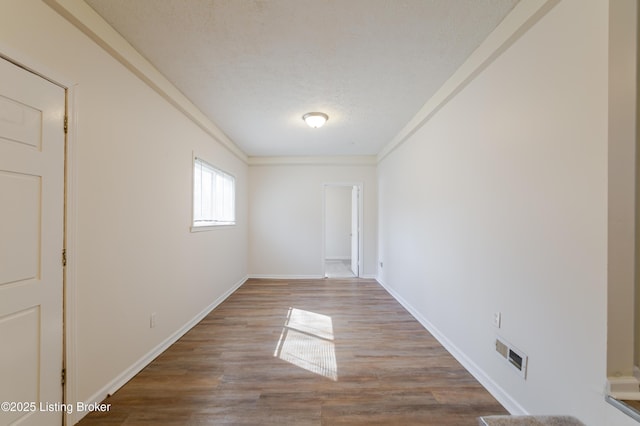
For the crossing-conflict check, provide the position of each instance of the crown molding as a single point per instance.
(314, 161)
(522, 17)
(87, 20)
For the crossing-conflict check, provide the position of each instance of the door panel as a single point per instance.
(20, 123)
(21, 340)
(20, 227)
(355, 232)
(31, 240)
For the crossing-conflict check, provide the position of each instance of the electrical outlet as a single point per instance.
(152, 320)
(497, 319)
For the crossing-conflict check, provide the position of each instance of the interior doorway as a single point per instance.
(342, 235)
(32, 155)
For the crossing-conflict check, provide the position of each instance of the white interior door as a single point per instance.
(31, 241)
(355, 230)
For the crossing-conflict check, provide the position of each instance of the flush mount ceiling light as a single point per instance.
(315, 119)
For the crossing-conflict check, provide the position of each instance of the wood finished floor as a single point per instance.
(349, 355)
(633, 404)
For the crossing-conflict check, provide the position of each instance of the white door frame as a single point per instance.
(69, 332)
(360, 187)
(71, 243)
(354, 235)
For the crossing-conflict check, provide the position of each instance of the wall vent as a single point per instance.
(502, 349)
(515, 357)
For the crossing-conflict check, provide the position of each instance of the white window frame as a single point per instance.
(213, 197)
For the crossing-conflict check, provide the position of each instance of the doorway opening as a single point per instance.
(32, 225)
(341, 239)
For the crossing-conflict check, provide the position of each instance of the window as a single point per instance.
(214, 194)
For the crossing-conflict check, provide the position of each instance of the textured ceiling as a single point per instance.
(254, 67)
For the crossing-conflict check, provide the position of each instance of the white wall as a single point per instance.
(622, 186)
(338, 222)
(286, 229)
(133, 168)
(499, 204)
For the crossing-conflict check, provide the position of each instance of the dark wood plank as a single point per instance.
(350, 355)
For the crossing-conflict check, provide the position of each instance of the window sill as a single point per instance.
(212, 227)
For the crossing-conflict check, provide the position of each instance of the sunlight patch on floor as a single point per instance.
(306, 341)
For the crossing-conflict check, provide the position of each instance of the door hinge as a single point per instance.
(66, 124)
(63, 376)
(64, 257)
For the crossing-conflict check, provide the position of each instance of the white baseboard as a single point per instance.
(369, 276)
(286, 277)
(300, 277)
(115, 384)
(494, 389)
(624, 387)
